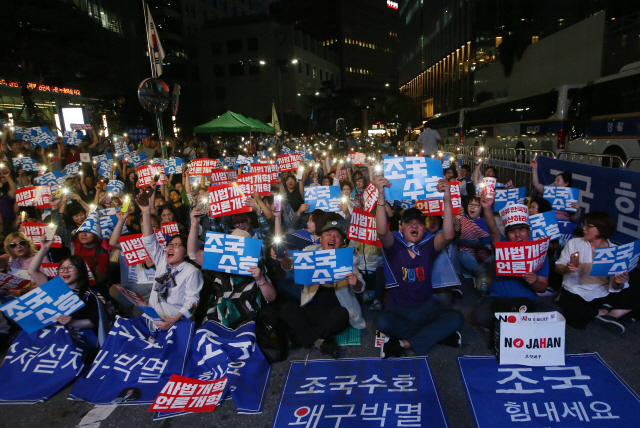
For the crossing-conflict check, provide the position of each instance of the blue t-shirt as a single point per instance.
(512, 286)
(412, 274)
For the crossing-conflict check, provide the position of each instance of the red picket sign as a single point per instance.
(183, 394)
(226, 199)
(357, 159)
(363, 228)
(203, 166)
(433, 207)
(220, 176)
(170, 228)
(518, 258)
(43, 194)
(133, 249)
(26, 196)
(146, 174)
(35, 232)
(342, 174)
(260, 182)
(370, 197)
(10, 282)
(290, 162)
(267, 168)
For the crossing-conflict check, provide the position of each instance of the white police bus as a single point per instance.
(537, 122)
(451, 126)
(605, 117)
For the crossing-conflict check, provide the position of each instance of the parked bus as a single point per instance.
(537, 122)
(605, 116)
(451, 126)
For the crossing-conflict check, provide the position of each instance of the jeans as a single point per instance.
(422, 326)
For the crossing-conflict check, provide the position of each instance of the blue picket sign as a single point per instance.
(40, 364)
(363, 392)
(218, 351)
(135, 363)
(584, 390)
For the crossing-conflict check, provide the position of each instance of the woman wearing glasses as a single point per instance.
(73, 271)
(176, 291)
(19, 254)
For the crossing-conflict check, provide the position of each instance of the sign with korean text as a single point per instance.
(47, 361)
(370, 197)
(81, 126)
(170, 228)
(325, 198)
(289, 162)
(108, 220)
(585, 392)
(231, 253)
(614, 260)
(544, 225)
(218, 351)
(35, 232)
(72, 138)
(134, 363)
(435, 207)
(412, 178)
(363, 228)
(360, 393)
(138, 133)
(137, 300)
(26, 196)
(43, 193)
(133, 249)
(219, 176)
(53, 178)
(226, 199)
(203, 166)
(72, 168)
(506, 197)
(322, 266)
(182, 394)
(258, 182)
(173, 166)
(561, 198)
(41, 306)
(146, 175)
(115, 187)
(342, 174)
(26, 164)
(518, 258)
(137, 160)
(357, 159)
(10, 282)
(267, 168)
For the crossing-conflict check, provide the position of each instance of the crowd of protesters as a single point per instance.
(408, 310)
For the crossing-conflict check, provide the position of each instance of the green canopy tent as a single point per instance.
(231, 122)
(267, 129)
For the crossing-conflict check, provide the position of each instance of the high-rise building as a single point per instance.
(443, 43)
(363, 32)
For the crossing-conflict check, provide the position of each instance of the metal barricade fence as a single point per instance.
(612, 161)
(633, 164)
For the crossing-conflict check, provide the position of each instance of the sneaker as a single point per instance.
(330, 347)
(392, 349)
(606, 306)
(609, 323)
(376, 306)
(366, 296)
(456, 294)
(628, 318)
(453, 341)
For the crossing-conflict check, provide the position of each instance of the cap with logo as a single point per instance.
(410, 214)
(334, 225)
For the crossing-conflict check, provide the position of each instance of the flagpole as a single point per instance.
(154, 73)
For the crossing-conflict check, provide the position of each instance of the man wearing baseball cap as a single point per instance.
(413, 318)
(508, 292)
(325, 310)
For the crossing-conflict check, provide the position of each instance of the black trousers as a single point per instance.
(579, 312)
(311, 324)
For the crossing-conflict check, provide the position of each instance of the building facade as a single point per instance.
(249, 63)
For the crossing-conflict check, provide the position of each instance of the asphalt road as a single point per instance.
(621, 352)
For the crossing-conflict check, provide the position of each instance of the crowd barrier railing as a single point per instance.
(612, 161)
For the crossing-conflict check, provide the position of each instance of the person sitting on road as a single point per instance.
(584, 298)
(564, 179)
(508, 292)
(328, 309)
(412, 317)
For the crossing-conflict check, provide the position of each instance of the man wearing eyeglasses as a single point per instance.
(176, 291)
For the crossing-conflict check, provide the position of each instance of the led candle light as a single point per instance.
(50, 232)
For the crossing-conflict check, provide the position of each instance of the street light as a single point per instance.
(386, 84)
(294, 61)
(262, 62)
